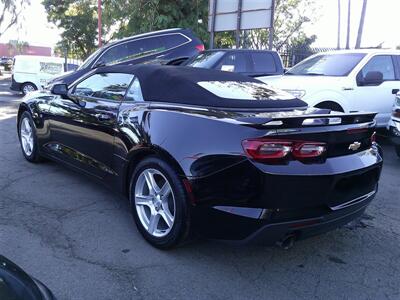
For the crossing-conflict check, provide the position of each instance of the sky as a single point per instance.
(33, 27)
(381, 24)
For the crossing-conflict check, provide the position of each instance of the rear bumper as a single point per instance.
(304, 228)
(247, 205)
(231, 225)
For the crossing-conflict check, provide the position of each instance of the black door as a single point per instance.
(82, 131)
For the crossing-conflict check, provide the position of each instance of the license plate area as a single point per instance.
(353, 186)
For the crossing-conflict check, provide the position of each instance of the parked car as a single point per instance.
(212, 152)
(31, 72)
(346, 80)
(394, 125)
(15, 284)
(163, 46)
(243, 61)
(4, 60)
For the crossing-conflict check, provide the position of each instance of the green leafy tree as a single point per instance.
(78, 19)
(126, 17)
(289, 19)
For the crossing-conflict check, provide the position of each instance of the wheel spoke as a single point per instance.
(167, 216)
(143, 200)
(165, 190)
(151, 183)
(153, 223)
(27, 125)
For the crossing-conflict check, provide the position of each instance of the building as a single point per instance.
(10, 49)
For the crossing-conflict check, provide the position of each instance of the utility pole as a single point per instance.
(348, 25)
(213, 16)
(361, 26)
(238, 23)
(338, 26)
(99, 20)
(271, 28)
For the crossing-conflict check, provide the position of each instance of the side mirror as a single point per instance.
(60, 89)
(372, 78)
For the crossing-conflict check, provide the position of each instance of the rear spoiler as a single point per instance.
(290, 120)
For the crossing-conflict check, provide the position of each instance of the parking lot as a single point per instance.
(79, 238)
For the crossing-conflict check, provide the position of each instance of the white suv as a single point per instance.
(346, 80)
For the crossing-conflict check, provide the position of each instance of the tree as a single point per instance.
(10, 11)
(17, 47)
(78, 18)
(128, 17)
(289, 20)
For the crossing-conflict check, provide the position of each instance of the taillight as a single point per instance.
(308, 150)
(267, 150)
(279, 150)
(200, 47)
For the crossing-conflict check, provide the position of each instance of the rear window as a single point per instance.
(244, 90)
(263, 62)
(142, 47)
(205, 60)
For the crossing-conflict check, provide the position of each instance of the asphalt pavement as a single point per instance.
(78, 238)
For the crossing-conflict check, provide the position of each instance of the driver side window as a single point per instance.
(380, 63)
(110, 86)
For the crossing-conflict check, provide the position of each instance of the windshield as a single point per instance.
(205, 60)
(327, 65)
(89, 60)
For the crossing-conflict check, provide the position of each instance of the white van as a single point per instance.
(32, 73)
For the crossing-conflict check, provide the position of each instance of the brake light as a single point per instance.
(200, 47)
(278, 150)
(396, 113)
(261, 150)
(308, 150)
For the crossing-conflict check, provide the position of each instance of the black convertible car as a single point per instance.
(206, 151)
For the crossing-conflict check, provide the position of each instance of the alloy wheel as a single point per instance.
(27, 88)
(26, 134)
(155, 202)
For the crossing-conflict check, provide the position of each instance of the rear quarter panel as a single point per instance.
(200, 143)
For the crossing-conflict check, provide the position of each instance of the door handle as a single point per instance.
(395, 91)
(103, 117)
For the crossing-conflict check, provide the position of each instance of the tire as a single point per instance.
(28, 87)
(157, 209)
(31, 151)
(397, 149)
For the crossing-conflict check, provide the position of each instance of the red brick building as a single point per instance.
(8, 50)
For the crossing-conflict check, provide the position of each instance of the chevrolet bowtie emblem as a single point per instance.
(354, 146)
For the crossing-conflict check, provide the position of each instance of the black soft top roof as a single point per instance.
(179, 84)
